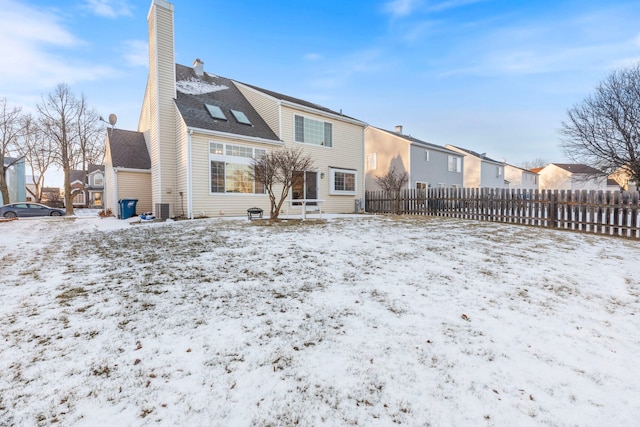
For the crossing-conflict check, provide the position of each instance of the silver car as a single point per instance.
(25, 210)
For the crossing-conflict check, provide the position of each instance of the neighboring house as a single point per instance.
(201, 132)
(479, 170)
(623, 177)
(16, 181)
(52, 196)
(520, 178)
(427, 165)
(127, 169)
(565, 176)
(88, 195)
(612, 185)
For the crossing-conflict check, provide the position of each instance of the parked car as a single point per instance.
(24, 210)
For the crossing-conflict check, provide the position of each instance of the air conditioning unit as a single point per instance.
(163, 211)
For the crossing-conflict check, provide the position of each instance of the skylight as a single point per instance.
(241, 117)
(215, 112)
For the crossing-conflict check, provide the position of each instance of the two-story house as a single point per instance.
(201, 131)
(519, 178)
(87, 187)
(427, 165)
(480, 171)
(572, 176)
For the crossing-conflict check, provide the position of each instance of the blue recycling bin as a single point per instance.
(127, 208)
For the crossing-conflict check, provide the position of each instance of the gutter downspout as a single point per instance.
(115, 192)
(189, 175)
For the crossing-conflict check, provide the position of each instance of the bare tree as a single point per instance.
(277, 172)
(392, 183)
(59, 114)
(9, 132)
(538, 162)
(604, 130)
(38, 152)
(90, 146)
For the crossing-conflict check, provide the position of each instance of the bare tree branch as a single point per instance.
(9, 132)
(277, 171)
(604, 130)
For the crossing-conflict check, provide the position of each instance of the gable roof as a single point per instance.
(128, 149)
(478, 155)
(193, 92)
(416, 141)
(531, 171)
(300, 102)
(95, 168)
(577, 168)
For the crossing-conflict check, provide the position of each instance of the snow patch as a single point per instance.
(193, 86)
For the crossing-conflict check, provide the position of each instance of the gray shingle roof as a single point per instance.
(297, 101)
(578, 168)
(478, 155)
(194, 92)
(417, 141)
(128, 149)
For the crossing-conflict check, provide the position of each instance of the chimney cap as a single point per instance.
(399, 129)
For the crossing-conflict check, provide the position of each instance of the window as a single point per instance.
(422, 186)
(426, 155)
(241, 117)
(98, 180)
(372, 161)
(498, 171)
(342, 181)
(215, 112)
(230, 169)
(78, 199)
(310, 131)
(455, 186)
(442, 185)
(455, 164)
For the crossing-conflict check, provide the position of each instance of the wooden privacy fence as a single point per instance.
(599, 212)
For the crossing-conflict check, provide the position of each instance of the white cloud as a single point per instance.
(108, 8)
(312, 56)
(399, 8)
(137, 53)
(30, 39)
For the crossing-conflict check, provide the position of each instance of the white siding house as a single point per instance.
(202, 130)
(519, 178)
(563, 176)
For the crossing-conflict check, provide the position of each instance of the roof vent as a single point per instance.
(399, 129)
(198, 67)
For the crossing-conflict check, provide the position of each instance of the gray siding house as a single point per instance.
(480, 171)
(428, 165)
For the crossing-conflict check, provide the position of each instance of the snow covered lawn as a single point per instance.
(369, 321)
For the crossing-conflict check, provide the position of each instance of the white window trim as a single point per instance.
(332, 180)
(458, 168)
(317, 120)
(372, 161)
(239, 160)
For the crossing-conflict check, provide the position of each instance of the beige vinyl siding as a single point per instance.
(135, 185)
(162, 107)
(347, 152)
(144, 121)
(204, 202)
(109, 198)
(182, 165)
(265, 105)
(390, 151)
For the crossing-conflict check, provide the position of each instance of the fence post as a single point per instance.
(553, 213)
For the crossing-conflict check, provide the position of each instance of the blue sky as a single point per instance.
(494, 76)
